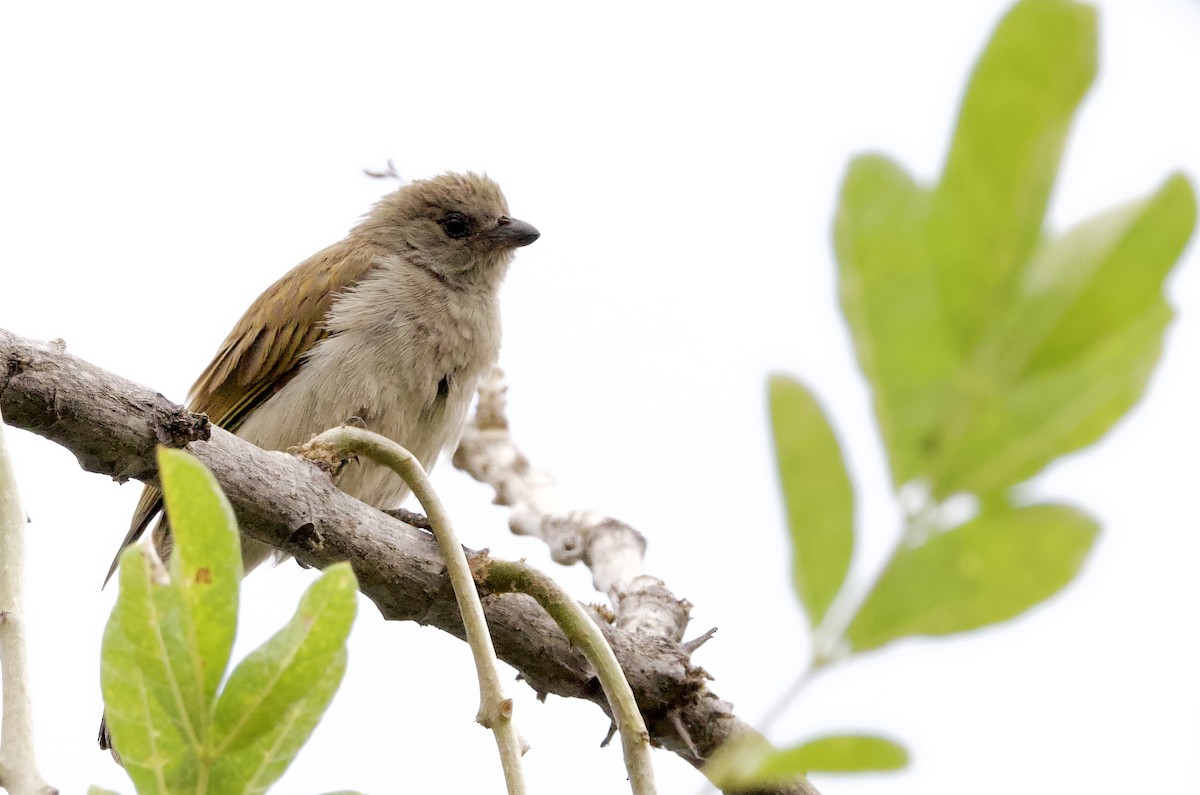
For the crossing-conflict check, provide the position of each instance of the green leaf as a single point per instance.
(170, 639)
(256, 766)
(735, 765)
(817, 494)
(167, 645)
(146, 703)
(988, 570)
(751, 762)
(1019, 430)
(1077, 350)
(97, 790)
(839, 753)
(276, 696)
(206, 561)
(889, 296)
(988, 208)
(990, 352)
(1103, 275)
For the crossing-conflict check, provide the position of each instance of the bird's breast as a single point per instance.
(407, 368)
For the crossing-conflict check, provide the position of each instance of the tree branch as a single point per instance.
(112, 426)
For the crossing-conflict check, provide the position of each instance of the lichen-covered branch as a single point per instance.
(610, 548)
(112, 425)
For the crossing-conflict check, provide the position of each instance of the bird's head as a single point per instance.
(455, 225)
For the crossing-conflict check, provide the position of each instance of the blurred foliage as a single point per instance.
(167, 645)
(817, 493)
(988, 569)
(991, 347)
(751, 762)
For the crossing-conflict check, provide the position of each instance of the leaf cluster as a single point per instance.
(179, 728)
(992, 348)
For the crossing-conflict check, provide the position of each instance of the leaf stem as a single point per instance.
(579, 627)
(495, 709)
(830, 634)
(785, 699)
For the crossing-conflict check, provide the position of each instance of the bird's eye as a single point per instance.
(456, 225)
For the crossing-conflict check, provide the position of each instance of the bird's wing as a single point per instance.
(148, 506)
(265, 349)
(267, 346)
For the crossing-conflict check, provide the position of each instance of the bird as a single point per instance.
(395, 325)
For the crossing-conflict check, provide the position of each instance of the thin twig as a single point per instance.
(18, 764)
(781, 704)
(495, 709)
(829, 638)
(584, 634)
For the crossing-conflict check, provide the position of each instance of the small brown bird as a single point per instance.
(396, 325)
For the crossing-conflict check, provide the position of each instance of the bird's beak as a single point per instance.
(511, 233)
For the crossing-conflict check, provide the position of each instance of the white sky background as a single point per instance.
(161, 166)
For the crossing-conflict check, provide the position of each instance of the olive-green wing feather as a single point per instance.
(265, 349)
(267, 346)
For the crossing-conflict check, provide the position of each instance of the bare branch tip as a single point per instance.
(690, 646)
(176, 427)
